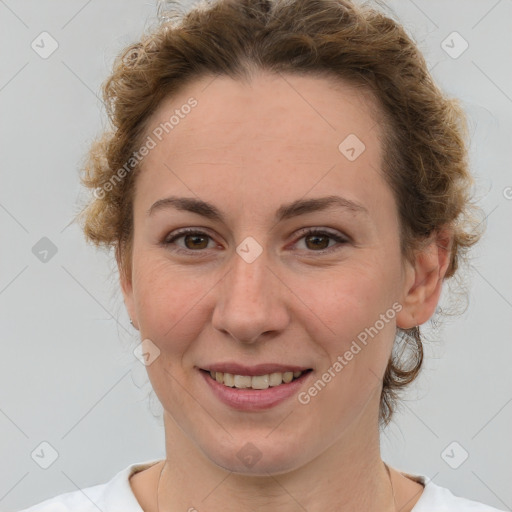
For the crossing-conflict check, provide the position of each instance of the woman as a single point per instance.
(286, 191)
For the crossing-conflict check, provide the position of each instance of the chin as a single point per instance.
(258, 456)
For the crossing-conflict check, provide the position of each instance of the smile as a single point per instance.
(255, 381)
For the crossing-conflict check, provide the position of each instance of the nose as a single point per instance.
(250, 301)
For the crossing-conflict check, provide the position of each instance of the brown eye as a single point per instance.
(318, 240)
(193, 241)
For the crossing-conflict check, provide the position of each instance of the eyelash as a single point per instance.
(307, 232)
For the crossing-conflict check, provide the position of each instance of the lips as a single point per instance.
(254, 392)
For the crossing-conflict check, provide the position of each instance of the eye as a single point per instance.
(194, 240)
(319, 239)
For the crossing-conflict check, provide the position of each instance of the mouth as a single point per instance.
(256, 382)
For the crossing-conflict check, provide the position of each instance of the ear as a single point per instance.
(127, 288)
(424, 281)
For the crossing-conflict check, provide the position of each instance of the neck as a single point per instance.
(348, 476)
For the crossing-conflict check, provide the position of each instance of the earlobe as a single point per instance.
(421, 298)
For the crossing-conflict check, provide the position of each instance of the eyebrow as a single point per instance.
(285, 211)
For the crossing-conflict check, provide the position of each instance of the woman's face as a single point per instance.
(252, 287)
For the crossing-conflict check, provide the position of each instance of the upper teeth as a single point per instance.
(255, 382)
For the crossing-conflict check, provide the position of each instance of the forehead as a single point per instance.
(272, 136)
(319, 109)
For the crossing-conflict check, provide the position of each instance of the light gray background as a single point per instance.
(68, 375)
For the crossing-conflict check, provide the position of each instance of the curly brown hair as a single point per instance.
(425, 157)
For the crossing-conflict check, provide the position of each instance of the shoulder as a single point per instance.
(115, 495)
(84, 500)
(440, 499)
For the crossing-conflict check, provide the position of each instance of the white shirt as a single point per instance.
(117, 496)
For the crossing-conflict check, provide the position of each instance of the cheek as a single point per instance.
(348, 297)
(355, 313)
(171, 303)
(355, 348)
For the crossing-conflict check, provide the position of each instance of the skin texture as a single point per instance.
(247, 149)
